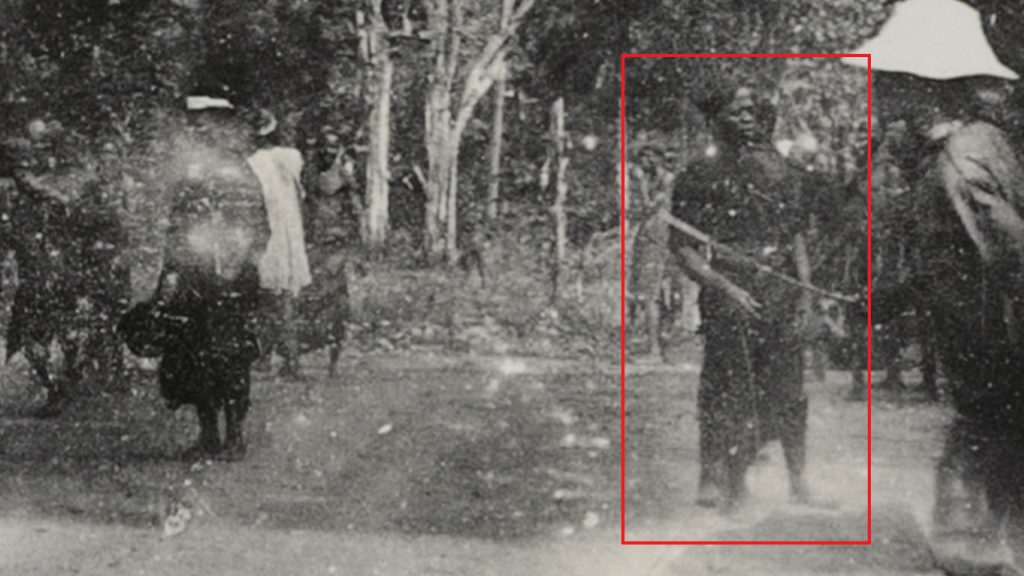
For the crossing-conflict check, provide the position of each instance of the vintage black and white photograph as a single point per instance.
(404, 287)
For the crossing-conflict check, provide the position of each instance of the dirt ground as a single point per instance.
(438, 464)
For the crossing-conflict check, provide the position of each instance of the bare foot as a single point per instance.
(709, 496)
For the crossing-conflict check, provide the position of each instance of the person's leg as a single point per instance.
(38, 357)
(236, 407)
(961, 487)
(290, 337)
(779, 373)
(712, 449)
(1014, 515)
(737, 409)
(268, 321)
(793, 434)
(208, 444)
(714, 407)
(890, 344)
(72, 372)
(929, 357)
(652, 307)
(858, 356)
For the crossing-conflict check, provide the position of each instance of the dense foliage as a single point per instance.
(115, 72)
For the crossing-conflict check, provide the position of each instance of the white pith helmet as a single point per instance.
(936, 39)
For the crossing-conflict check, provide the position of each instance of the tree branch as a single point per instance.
(487, 67)
(454, 42)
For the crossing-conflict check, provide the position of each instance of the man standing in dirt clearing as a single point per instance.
(751, 383)
(968, 193)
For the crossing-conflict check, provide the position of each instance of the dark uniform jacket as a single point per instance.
(752, 204)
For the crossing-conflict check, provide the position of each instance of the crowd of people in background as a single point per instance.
(943, 263)
(64, 228)
(64, 219)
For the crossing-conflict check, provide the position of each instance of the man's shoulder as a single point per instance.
(698, 173)
(977, 137)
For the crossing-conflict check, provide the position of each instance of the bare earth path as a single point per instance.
(430, 464)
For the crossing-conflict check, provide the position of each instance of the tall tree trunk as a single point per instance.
(444, 129)
(438, 169)
(498, 123)
(557, 163)
(379, 99)
(443, 17)
(451, 244)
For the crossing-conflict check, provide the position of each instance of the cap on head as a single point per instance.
(266, 123)
(935, 39)
(197, 103)
(37, 129)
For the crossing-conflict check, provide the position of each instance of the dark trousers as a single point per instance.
(751, 392)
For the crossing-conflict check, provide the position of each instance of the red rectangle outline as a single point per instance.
(622, 310)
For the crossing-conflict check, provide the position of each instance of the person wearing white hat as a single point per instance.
(200, 320)
(936, 70)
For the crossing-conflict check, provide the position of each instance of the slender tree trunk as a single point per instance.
(451, 244)
(498, 124)
(379, 99)
(558, 162)
(444, 18)
(444, 129)
(438, 171)
(497, 136)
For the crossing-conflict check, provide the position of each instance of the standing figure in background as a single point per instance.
(284, 268)
(751, 385)
(41, 236)
(104, 280)
(886, 255)
(654, 181)
(201, 321)
(333, 209)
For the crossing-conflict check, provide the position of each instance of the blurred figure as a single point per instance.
(968, 243)
(201, 321)
(103, 278)
(888, 195)
(284, 268)
(41, 236)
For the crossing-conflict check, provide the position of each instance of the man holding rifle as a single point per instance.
(754, 323)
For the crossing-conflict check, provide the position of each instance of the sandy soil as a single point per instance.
(431, 464)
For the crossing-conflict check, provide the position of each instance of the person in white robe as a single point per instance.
(284, 266)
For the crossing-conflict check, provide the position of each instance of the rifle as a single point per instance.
(703, 238)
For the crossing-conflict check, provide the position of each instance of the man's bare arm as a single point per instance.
(700, 270)
(802, 260)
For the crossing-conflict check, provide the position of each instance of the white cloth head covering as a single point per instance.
(937, 39)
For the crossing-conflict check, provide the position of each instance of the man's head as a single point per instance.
(329, 145)
(740, 115)
(651, 152)
(44, 140)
